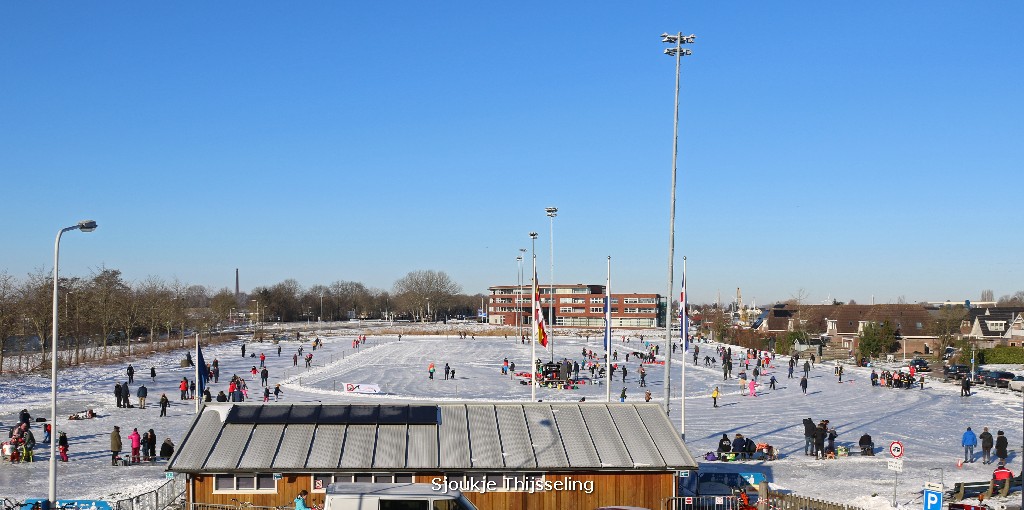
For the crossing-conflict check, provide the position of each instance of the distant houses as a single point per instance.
(842, 325)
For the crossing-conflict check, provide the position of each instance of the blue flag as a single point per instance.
(202, 374)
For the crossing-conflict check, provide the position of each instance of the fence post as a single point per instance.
(762, 496)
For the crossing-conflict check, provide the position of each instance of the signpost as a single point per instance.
(932, 499)
(896, 466)
(896, 449)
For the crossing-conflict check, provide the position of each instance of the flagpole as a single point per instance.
(533, 335)
(198, 397)
(684, 321)
(608, 332)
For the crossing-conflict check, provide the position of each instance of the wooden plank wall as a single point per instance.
(645, 490)
(287, 488)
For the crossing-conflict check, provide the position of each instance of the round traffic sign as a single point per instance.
(896, 449)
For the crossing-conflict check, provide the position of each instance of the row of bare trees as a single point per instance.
(101, 315)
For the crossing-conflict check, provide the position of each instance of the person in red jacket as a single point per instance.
(136, 440)
(183, 386)
(1001, 473)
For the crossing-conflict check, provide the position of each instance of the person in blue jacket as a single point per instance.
(300, 501)
(969, 442)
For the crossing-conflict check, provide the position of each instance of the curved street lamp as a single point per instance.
(84, 226)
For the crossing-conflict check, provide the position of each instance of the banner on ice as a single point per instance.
(360, 388)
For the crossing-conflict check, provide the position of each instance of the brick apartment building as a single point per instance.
(576, 305)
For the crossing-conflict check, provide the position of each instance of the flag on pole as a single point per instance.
(538, 314)
(607, 325)
(202, 375)
(684, 318)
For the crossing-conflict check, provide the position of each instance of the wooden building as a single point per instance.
(501, 455)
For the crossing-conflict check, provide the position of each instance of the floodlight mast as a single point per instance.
(678, 52)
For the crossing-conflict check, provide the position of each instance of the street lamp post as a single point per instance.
(678, 52)
(552, 212)
(321, 317)
(84, 226)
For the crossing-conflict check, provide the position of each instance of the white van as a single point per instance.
(392, 496)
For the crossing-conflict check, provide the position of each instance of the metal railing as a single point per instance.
(172, 492)
(777, 501)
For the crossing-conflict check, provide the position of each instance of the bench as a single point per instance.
(974, 489)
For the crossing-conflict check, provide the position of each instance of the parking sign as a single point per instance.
(932, 500)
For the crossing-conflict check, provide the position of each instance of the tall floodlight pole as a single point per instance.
(321, 317)
(552, 212)
(534, 302)
(84, 226)
(679, 40)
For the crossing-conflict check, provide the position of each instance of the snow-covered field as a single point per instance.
(928, 422)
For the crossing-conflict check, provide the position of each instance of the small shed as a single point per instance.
(501, 455)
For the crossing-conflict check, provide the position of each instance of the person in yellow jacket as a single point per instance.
(714, 396)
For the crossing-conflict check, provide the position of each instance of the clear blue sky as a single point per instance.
(846, 149)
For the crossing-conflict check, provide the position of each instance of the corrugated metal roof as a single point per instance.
(579, 446)
(638, 442)
(547, 443)
(606, 436)
(515, 437)
(422, 450)
(328, 441)
(453, 433)
(477, 436)
(485, 447)
(665, 435)
(360, 441)
(229, 447)
(269, 438)
(294, 446)
(391, 440)
(195, 448)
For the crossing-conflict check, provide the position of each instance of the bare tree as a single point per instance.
(106, 288)
(420, 291)
(988, 295)
(8, 313)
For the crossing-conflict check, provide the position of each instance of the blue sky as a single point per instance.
(843, 149)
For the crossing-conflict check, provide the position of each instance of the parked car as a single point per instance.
(1017, 383)
(920, 365)
(950, 352)
(979, 376)
(999, 379)
(956, 372)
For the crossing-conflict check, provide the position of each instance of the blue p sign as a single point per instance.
(932, 500)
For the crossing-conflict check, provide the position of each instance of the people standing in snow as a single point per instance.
(969, 441)
(142, 392)
(803, 384)
(131, 373)
(136, 442)
(62, 446)
(1001, 446)
(277, 392)
(714, 396)
(152, 374)
(115, 445)
(986, 446)
(164, 402)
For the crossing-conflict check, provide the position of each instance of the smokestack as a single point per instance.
(236, 283)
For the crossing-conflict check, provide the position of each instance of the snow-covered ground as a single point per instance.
(928, 422)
